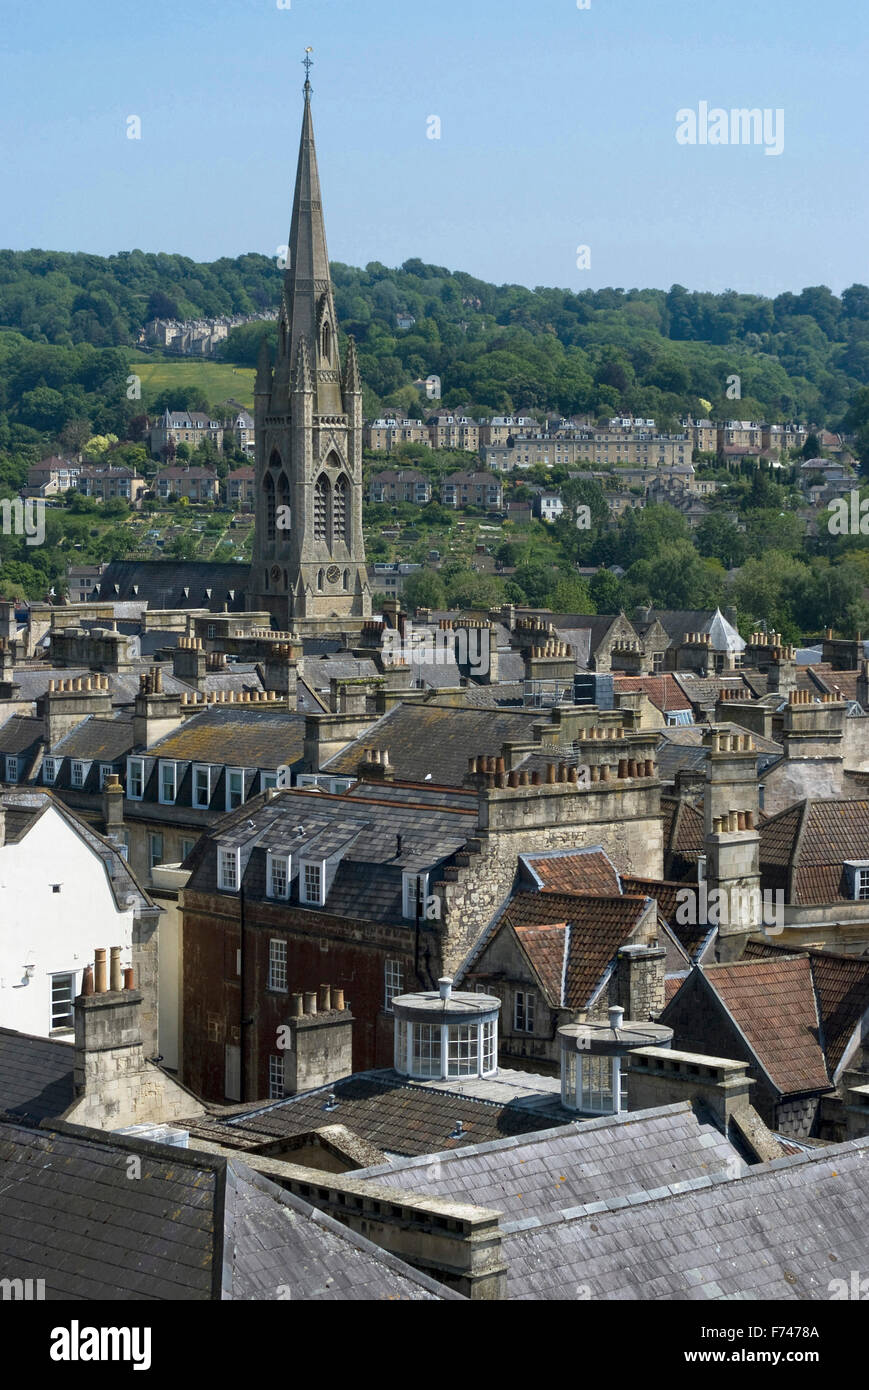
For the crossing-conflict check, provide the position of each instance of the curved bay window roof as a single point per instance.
(592, 1080)
(440, 1034)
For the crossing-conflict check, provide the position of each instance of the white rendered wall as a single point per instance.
(55, 932)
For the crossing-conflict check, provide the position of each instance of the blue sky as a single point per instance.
(557, 130)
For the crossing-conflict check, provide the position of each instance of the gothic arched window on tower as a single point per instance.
(326, 343)
(283, 501)
(269, 486)
(341, 511)
(321, 508)
(346, 580)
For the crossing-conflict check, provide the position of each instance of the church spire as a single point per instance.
(307, 287)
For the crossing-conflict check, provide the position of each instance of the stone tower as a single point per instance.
(308, 567)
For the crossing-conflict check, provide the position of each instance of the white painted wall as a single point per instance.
(54, 932)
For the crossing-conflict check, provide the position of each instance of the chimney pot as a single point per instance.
(445, 985)
(100, 970)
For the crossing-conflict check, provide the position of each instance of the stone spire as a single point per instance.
(307, 293)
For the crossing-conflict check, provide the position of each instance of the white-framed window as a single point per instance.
(11, 769)
(234, 787)
(701, 868)
(155, 849)
(78, 773)
(312, 883)
(268, 781)
(276, 1077)
(523, 1012)
(211, 630)
(414, 889)
(393, 982)
(278, 965)
(278, 875)
(228, 864)
(186, 848)
(168, 783)
(201, 787)
(490, 1046)
(62, 995)
(463, 1045)
(106, 771)
(135, 778)
(425, 1049)
(657, 663)
(49, 769)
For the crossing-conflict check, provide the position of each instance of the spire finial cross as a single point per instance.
(308, 63)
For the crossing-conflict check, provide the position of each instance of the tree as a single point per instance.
(606, 592)
(425, 589)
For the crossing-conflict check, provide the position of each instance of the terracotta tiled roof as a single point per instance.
(683, 825)
(544, 947)
(597, 927)
(813, 839)
(773, 1003)
(662, 890)
(672, 985)
(663, 691)
(587, 871)
(842, 989)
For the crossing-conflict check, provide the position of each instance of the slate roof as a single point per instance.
(803, 849)
(781, 1232)
(596, 927)
(437, 739)
(677, 623)
(70, 1215)
(35, 1076)
(319, 670)
(362, 832)
(240, 735)
(21, 736)
(283, 1243)
(107, 739)
(161, 583)
(585, 1161)
(381, 1107)
(192, 1226)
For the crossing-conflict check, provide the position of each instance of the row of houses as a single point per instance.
(55, 476)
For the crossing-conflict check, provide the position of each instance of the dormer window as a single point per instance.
(228, 870)
(234, 788)
(312, 884)
(278, 875)
(11, 769)
(49, 770)
(79, 772)
(857, 871)
(202, 787)
(135, 778)
(414, 892)
(168, 783)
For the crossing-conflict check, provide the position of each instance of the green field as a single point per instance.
(219, 380)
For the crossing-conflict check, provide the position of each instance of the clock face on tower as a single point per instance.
(333, 574)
